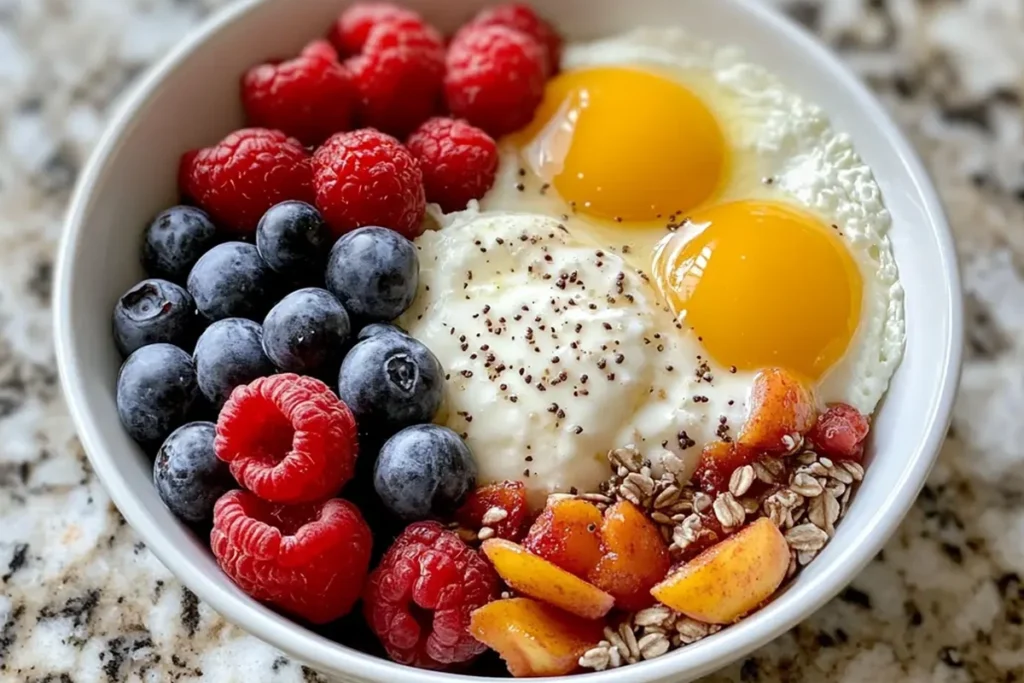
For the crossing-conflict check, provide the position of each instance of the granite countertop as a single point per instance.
(82, 599)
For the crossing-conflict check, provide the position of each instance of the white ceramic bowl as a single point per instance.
(191, 99)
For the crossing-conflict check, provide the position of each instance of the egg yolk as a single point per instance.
(625, 144)
(763, 284)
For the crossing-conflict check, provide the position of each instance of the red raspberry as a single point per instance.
(521, 17)
(308, 560)
(509, 496)
(418, 600)
(310, 97)
(349, 33)
(368, 178)
(839, 432)
(243, 175)
(320, 48)
(399, 76)
(458, 161)
(287, 438)
(495, 78)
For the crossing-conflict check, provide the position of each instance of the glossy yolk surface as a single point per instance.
(625, 144)
(763, 285)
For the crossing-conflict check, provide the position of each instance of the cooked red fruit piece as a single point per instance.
(717, 462)
(287, 438)
(534, 576)
(710, 533)
(495, 78)
(310, 97)
(308, 560)
(243, 175)
(568, 533)
(419, 599)
(349, 33)
(459, 161)
(522, 17)
(635, 557)
(839, 432)
(781, 410)
(399, 77)
(368, 178)
(507, 496)
(534, 639)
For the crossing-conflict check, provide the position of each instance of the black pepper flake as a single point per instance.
(503, 387)
(464, 347)
(577, 430)
(553, 408)
(514, 398)
(498, 240)
(732, 369)
(669, 368)
(732, 402)
(528, 379)
(601, 364)
(467, 373)
(610, 376)
(685, 441)
(526, 472)
(485, 347)
(548, 258)
(583, 379)
(520, 187)
(528, 458)
(560, 414)
(487, 308)
(544, 188)
(578, 327)
(592, 307)
(619, 358)
(554, 359)
(522, 172)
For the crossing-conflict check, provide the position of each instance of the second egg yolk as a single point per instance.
(763, 285)
(625, 144)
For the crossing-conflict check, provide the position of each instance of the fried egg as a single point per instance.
(673, 221)
(763, 230)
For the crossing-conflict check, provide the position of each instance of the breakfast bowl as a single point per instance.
(190, 100)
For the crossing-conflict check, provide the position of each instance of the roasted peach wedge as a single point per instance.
(781, 410)
(729, 579)
(534, 576)
(534, 639)
(568, 534)
(635, 557)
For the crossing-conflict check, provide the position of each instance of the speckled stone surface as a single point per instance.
(82, 599)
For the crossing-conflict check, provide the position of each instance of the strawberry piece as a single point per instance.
(839, 433)
(507, 496)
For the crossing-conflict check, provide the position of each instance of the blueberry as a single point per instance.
(232, 281)
(374, 273)
(152, 312)
(293, 238)
(230, 353)
(156, 388)
(373, 329)
(424, 472)
(306, 333)
(391, 381)
(175, 240)
(187, 474)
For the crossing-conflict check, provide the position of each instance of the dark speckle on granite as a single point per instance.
(18, 560)
(856, 597)
(189, 611)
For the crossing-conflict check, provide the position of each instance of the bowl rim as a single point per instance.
(318, 651)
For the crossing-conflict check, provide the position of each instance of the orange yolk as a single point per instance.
(625, 144)
(763, 285)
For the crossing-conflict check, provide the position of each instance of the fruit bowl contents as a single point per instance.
(489, 342)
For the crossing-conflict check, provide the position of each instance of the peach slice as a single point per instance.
(717, 462)
(729, 579)
(536, 577)
(568, 534)
(635, 557)
(781, 409)
(534, 639)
